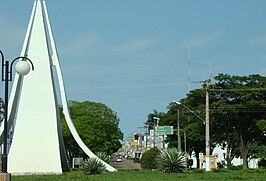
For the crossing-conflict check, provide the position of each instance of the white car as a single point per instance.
(119, 159)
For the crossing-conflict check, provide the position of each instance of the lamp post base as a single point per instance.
(5, 177)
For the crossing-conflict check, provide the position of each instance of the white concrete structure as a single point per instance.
(220, 153)
(37, 146)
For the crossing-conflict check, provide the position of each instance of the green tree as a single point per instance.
(148, 159)
(236, 119)
(238, 105)
(97, 126)
(169, 119)
(191, 124)
(224, 132)
(151, 121)
(259, 146)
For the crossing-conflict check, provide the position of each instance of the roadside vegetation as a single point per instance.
(237, 118)
(155, 175)
(98, 127)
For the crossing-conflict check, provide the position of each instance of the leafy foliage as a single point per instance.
(103, 156)
(237, 119)
(97, 126)
(93, 166)
(148, 159)
(191, 124)
(171, 161)
(237, 111)
(151, 122)
(262, 162)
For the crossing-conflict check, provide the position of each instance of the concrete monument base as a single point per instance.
(5, 177)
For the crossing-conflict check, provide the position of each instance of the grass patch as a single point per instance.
(143, 175)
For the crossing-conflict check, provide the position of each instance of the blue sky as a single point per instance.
(132, 55)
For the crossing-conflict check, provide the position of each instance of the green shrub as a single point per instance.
(262, 162)
(260, 170)
(103, 156)
(147, 160)
(171, 161)
(233, 167)
(93, 166)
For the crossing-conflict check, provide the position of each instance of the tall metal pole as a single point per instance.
(185, 141)
(156, 121)
(153, 135)
(207, 128)
(146, 141)
(178, 131)
(4, 156)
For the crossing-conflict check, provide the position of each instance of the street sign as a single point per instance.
(168, 130)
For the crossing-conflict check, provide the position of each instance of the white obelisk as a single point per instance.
(37, 146)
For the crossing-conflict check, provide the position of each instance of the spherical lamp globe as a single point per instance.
(22, 67)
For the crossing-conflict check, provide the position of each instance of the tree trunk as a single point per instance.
(230, 154)
(244, 149)
(197, 157)
(245, 161)
(228, 157)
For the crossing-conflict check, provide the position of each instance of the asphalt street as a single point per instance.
(125, 164)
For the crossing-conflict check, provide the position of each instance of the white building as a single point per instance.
(219, 153)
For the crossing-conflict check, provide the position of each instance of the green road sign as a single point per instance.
(160, 130)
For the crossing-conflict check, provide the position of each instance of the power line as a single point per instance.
(244, 89)
(238, 109)
(130, 86)
(171, 84)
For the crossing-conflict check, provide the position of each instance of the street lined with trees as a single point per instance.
(237, 117)
(237, 121)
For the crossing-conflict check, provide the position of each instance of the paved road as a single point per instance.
(125, 164)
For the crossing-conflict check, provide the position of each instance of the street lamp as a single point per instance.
(178, 124)
(179, 103)
(178, 131)
(156, 120)
(22, 68)
(207, 124)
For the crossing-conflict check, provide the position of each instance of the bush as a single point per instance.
(171, 161)
(262, 163)
(93, 166)
(233, 167)
(147, 160)
(103, 156)
(260, 170)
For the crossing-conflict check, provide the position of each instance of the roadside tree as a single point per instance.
(97, 126)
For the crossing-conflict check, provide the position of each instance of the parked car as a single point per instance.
(119, 159)
(136, 159)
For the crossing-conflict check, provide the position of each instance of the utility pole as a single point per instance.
(146, 136)
(156, 121)
(178, 131)
(207, 126)
(185, 141)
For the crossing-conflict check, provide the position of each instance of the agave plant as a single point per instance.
(103, 156)
(92, 166)
(171, 161)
